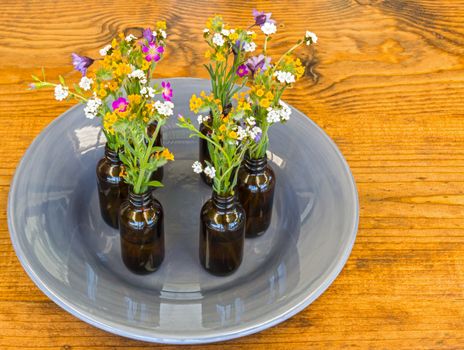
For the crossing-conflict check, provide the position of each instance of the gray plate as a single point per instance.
(73, 257)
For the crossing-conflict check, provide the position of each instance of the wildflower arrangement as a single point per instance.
(228, 48)
(268, 81)
(116, 86)
(230, 137)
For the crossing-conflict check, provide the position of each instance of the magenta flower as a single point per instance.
(81, 63)
(120, 104)
(167, 91)
(261, 17)
(153, 52)
(242, 71)
(258, 62)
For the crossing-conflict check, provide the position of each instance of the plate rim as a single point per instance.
(115, 328)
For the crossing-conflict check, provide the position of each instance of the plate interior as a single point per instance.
(74, 257)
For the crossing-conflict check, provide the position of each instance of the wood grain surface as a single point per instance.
(385, 81)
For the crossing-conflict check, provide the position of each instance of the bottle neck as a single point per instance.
(112, 156)
(255, 165)
(223, 202)
(140, 200)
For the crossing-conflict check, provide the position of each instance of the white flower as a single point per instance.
(251, 121)
(197, 168)
(140, 75)
(164, 108)
(206, 30)
(202, 119)
(284, 77)
(163, 33)
(218, 39)
(91, 109)
(250, 33)
(130, 37)
(210, 171)
(104, 51)
(61, 92)
(249, 47)
(255, 133)
(85, 83)
(273, 115)
(241, 133)
(147, 91)
(269, 28)
(225, 32)
(285, 112)
(311, 38)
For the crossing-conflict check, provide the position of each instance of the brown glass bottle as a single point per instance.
(158, 174)
(256, 184)
(112, 190)
(222, 235)
(204, 151)
(142, 233)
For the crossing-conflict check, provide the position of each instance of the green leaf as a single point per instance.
(154, 184)
(77, 88)
(35, 77)
(62, 80)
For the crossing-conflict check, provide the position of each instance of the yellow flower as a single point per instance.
(113, 86)
(146, 65)
(114, 43)
(300, 71)
(166, 154)
(195, 103)
(134, 99)
(207, 54)
(233, 135)
(102, 92)
(264, 103)
(259, 92)
(222, 128)
(161, 25)
(122, 69)
(220, 57)
(269, 95)
(233, 36)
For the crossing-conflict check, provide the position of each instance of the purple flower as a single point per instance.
(258, 62)
(120, 104)
(153, 52)
(148, 35)
(81, 63)
(242, 70)
(261, 17)
(258, 137)
(32, 86)
(167, 91)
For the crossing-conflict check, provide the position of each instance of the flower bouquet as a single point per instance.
(116, 88)
(222, 217)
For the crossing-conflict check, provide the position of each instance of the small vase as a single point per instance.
(204, 151)
(158, 174)
(112, 190)
(256, 184)
(222, 235)
(142, 233)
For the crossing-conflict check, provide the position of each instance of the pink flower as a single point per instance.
(167, 90)
(120, 104)
(242, 70)
(153, 51)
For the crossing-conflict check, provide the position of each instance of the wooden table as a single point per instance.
(385, 81)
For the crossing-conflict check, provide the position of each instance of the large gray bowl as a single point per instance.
(74, 257)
